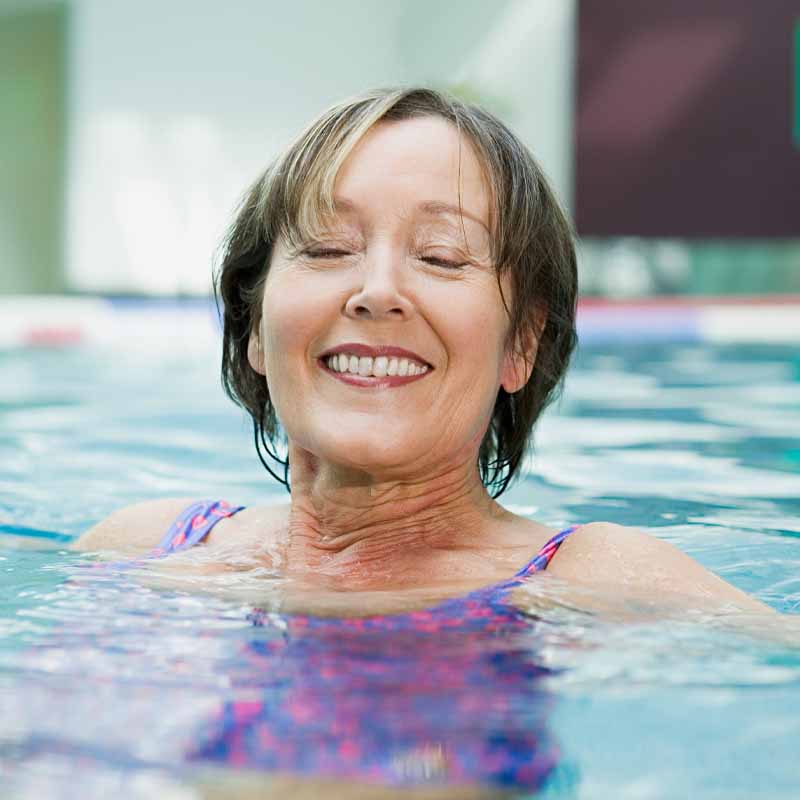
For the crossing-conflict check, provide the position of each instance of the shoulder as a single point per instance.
(254, 526)
(601, 549)
(635, 564)
(139, 527)
(136, 528)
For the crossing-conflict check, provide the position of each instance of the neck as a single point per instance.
(360, 529)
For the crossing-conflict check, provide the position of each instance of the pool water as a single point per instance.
(112, 682)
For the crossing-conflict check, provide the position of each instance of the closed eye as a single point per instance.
(443, 262)
(327, 252)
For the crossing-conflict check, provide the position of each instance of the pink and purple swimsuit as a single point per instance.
(449, 695)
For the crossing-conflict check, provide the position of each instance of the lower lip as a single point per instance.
(385, 382)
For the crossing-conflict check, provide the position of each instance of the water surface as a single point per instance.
(109, 680)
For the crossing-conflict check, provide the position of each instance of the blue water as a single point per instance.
(106, 680)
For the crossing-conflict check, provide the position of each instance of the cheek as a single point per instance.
(475, 339)
(291, 315)
(481, 329)
(294, 315)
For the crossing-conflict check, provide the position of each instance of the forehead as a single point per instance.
(423, 162)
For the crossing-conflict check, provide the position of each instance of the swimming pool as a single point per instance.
(109, 678)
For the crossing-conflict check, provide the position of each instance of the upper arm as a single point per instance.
(641, 567)
(134, 529)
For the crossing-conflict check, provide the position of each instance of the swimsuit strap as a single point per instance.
(498, 592)
(545, 555)
(193, 525)
(195, 522)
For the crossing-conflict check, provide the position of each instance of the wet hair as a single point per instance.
(531, 242)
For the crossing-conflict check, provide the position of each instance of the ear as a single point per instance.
(521, 355)
(255, 353)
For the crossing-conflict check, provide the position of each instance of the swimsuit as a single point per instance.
(483, 608)
(403, 699)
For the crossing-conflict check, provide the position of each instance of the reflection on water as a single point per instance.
(113, 684)
(166, 682)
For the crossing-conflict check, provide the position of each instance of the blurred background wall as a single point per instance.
(173, 109)
(129, 128)
(32, 146)
(687, 146)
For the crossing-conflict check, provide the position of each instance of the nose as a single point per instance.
(380, 293)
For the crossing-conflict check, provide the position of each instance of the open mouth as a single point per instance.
(379, 367)
(386, 369)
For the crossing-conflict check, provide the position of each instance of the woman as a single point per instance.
(399, 291)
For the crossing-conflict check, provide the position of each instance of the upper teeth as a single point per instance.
(367, 366)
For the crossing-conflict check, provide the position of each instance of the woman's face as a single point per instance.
(401, 290)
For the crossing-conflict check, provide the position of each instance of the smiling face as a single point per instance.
(383, 340)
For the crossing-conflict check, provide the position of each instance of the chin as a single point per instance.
(370, 453)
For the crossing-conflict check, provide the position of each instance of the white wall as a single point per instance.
(175, 107)
(527, 61)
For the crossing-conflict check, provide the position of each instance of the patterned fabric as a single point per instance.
(193, 525)
(196, 521)
(403, 699)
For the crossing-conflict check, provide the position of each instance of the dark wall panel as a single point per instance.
(684, 119)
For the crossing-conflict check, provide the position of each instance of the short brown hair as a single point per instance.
(532, 242)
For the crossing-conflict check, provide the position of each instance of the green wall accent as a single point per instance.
(32, 149)
(640, 267)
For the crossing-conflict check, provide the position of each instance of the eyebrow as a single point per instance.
(433, 208)
(448, 208)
